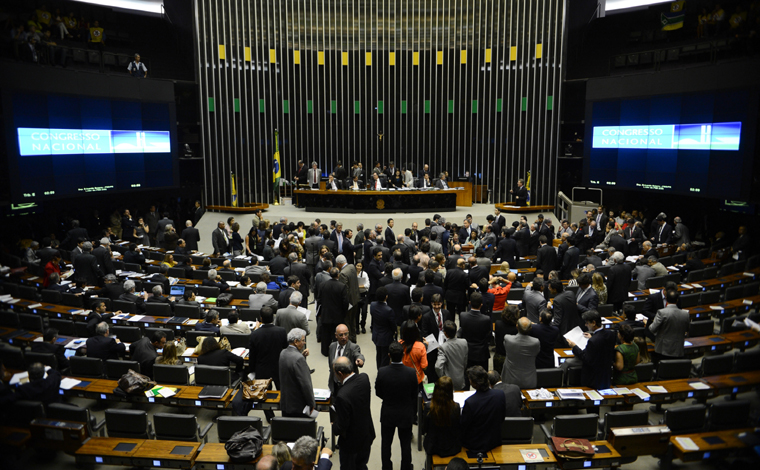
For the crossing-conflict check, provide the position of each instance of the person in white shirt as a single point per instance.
(376, 183)
(332, 184)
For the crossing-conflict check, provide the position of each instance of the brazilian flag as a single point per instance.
(276, 167)
(527, 188)
(674, 18)
(234, 191)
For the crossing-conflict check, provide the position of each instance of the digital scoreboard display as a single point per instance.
(698, 144)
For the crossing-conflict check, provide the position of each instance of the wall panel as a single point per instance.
(458, 84)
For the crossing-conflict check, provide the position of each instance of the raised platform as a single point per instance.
(247, 208)
(510, 209)
(371, 201)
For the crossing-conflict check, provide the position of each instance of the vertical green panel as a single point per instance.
(549, 103)
(451, 106)
(237, 105)
(427, 106)
(262, 106)
(285, 107)
(403, 106)
(474, 106)
(309, 106)
(525, 104)
(498, 105)
(357, 107)
(380, 107)
(211, 105)
(333, 106)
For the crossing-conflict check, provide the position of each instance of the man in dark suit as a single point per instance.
(618, 280)
(587, 297)
(134, 255)
(98, 315)
(664, 232)
(389, 237)
(294, 284)
(191, 235)
(333, 300)
(265, 345)
(161, 228)
(297, 391)
(670, 326)
(102, 346)
(547, 335)
(278, 264)
(375, 270)
(342, 347)
(546, 258)
(113, 288)
(599, 353)
(383, 325)
(455, 288)
(522, 238)
(157, 297)
(483, 414)
(39, 387)
(442, 183)
(151, 220)
(74, 235)
(297, 268)
(565, 309)
(86, 266)
(512, 395)
(396, 385)
(634, 235)
(476, 329)
(570, 259)
(338, 239)
(398, 296)
(476, 273)
(197, 214)
(353, 415)
(507, 249)
(520, 193)
(220, 240)
(48, 345)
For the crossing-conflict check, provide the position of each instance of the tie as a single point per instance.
(440, 325)
(315, 176)
(659, 234)
(340, 243)
(340, 352)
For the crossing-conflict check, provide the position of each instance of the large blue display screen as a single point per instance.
(72, 145)
(700, 144)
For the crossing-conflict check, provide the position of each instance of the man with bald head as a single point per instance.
(343, 347)
(521, 351)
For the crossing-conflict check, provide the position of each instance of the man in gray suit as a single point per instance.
(435, 247)
(255, 269)
(314, 175)
(261, 299)
(311, 248)
(161, 229)
(289, 317)
(452, 357)
(520, 362)
(343, 347)
(534, 300)
(349, 277)
(670, 326)
(297, 392)
(220, 240)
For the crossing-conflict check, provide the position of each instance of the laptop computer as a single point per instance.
(177, 290)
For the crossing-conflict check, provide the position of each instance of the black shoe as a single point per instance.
(364, 330)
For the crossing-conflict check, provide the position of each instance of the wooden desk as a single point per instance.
(161, 454)
(605, 456)
(102, 450)
(557, 402)
(742, 339)
(443, 461)
(723, 443)
(213, 456)
(509, 208)
(640, 440)
(386, 201)
(509, 456)
(731, 384)
(676, 390)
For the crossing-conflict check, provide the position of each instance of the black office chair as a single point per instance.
(89, 367)
(711, 272)
(171, 375)
(189, 311)
(31, 322)
(158, 309)
(673, 369)
(517, 430)
(127, 334)
(617, 419)
(710, 297)
(238, 340)
(241, 293)
(751, 289)
(28, 293)
(729, 415)
(249, 314)
(735, 292)
(747, 361)
(656, 282)
(685, 419)
(125, 306)
(116, 368)
(515, 294)
(9, 319)
(695, 276)
(64, 327)
(548, 378)
(727, 324)
(96, 300)
(180, 427)
(689, 300)
(226, 426)
(80, 329)
(224, 311)
(150, 331)
(605, 310)
(214, 375)
(240, 263)
(227, 275)
(290, 429)
(51, 296)
(208, 291)
(77, 414)
(47, 359)
(275, 293)
(573, 376)
(176, 272)
(716, 365)
(130, 424)
(701, 328)
(192, 337)
(666, 261)
(23, 412)
(133, 267)
(573, 426)
(638, 305)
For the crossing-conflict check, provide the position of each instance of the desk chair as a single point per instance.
(701, 328)
(716, 365)
(180, 427)
(24, 411)
(133, 267)
(275, 293)
(168, 332)
(573, 376)
(189, 311)
(290, 429)
(574, 426)
(605, 310)
(517, 431)
(727, 324)
(239, 263)
(176, 272)
(515, 294)
(158, 309)
(208, 291)
(228, 275)
(199, 274)
(51, 296)
(237, 340)
(638, 305)
(125, 306)
(68, 412)
(31, 322)
(131, 424)
(93, 300)
(685, 419)
(9, 319)
(224, 311)
(215, 375)
(710, 297)
(548, 378)
(616, 419)
(249, 314)
(192, 337)
(728, 415)
(28, 292)
(89, 367)
(241, 293)
(735, 292)
(226, 426)
(751, 289)
(116, 368)
(666, 261)
(10, 288)
(47, 359)
(696, 275)
(711, 272)
(656, 282)
(126, 334)
(644, 371)
(80, 329)
(171, 375)
(64, 327)
(747, 361)
(12, 357)
(689, 300)
(673, 369)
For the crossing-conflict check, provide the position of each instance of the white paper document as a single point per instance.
(69, 383)
(432, 343)
(305, 311)
(461, 397)
(576, 336)
(687, 443)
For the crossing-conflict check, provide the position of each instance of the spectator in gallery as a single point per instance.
(137, 69)
(97, 36)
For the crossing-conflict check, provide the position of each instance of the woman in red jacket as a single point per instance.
(415, 350)
(53, 266)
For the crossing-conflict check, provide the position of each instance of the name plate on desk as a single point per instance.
(640, 440)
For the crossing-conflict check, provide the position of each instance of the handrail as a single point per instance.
(563, 206)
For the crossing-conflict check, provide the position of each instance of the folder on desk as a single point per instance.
(213, 391)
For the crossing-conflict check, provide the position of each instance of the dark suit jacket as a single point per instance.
(135, 299)
(476, 273)
(507, 251)
(220, 243)
(455, 286)
(512, 398)
(597, 359)
(522, 238)
(93, 318)
(569, 262)
(396, 385)
(134, 257)
(73, 235)
(589, 300)
(520, 197)
(265, 345)
(546, 259)
(383, 323)
(191, 236)
(618, 282)
(221, 357)
(304, 274)
(44, 390)
(333, 302)
(547, 335)
(482, 416)
(375, 272)
(86, 266)
(277, 265)
(353, 415)
(476, 329)
(103, 258)
(663, 237)
(104, 348)
(566, 315)
(398, 297)
(55, 349)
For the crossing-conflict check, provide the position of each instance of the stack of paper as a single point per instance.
(321, 394)
(641, 394)
(657, 389)
(242, 352)
(594, 395)
(699, 386)
(540, 394)
(576, 336)
(687, 443)
(68, 383)
(571, 394)
(432, 343)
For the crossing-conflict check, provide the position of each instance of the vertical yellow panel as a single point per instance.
(321, 57)
(272, 56)
(415, 58)
(247, 54)
(439, 57)
(539, 50)
(368, 59)
(297, 57)
(345, 58)
(488, 56)
(222, 54)
(463, 57)
(513, 53)
(391, 58)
